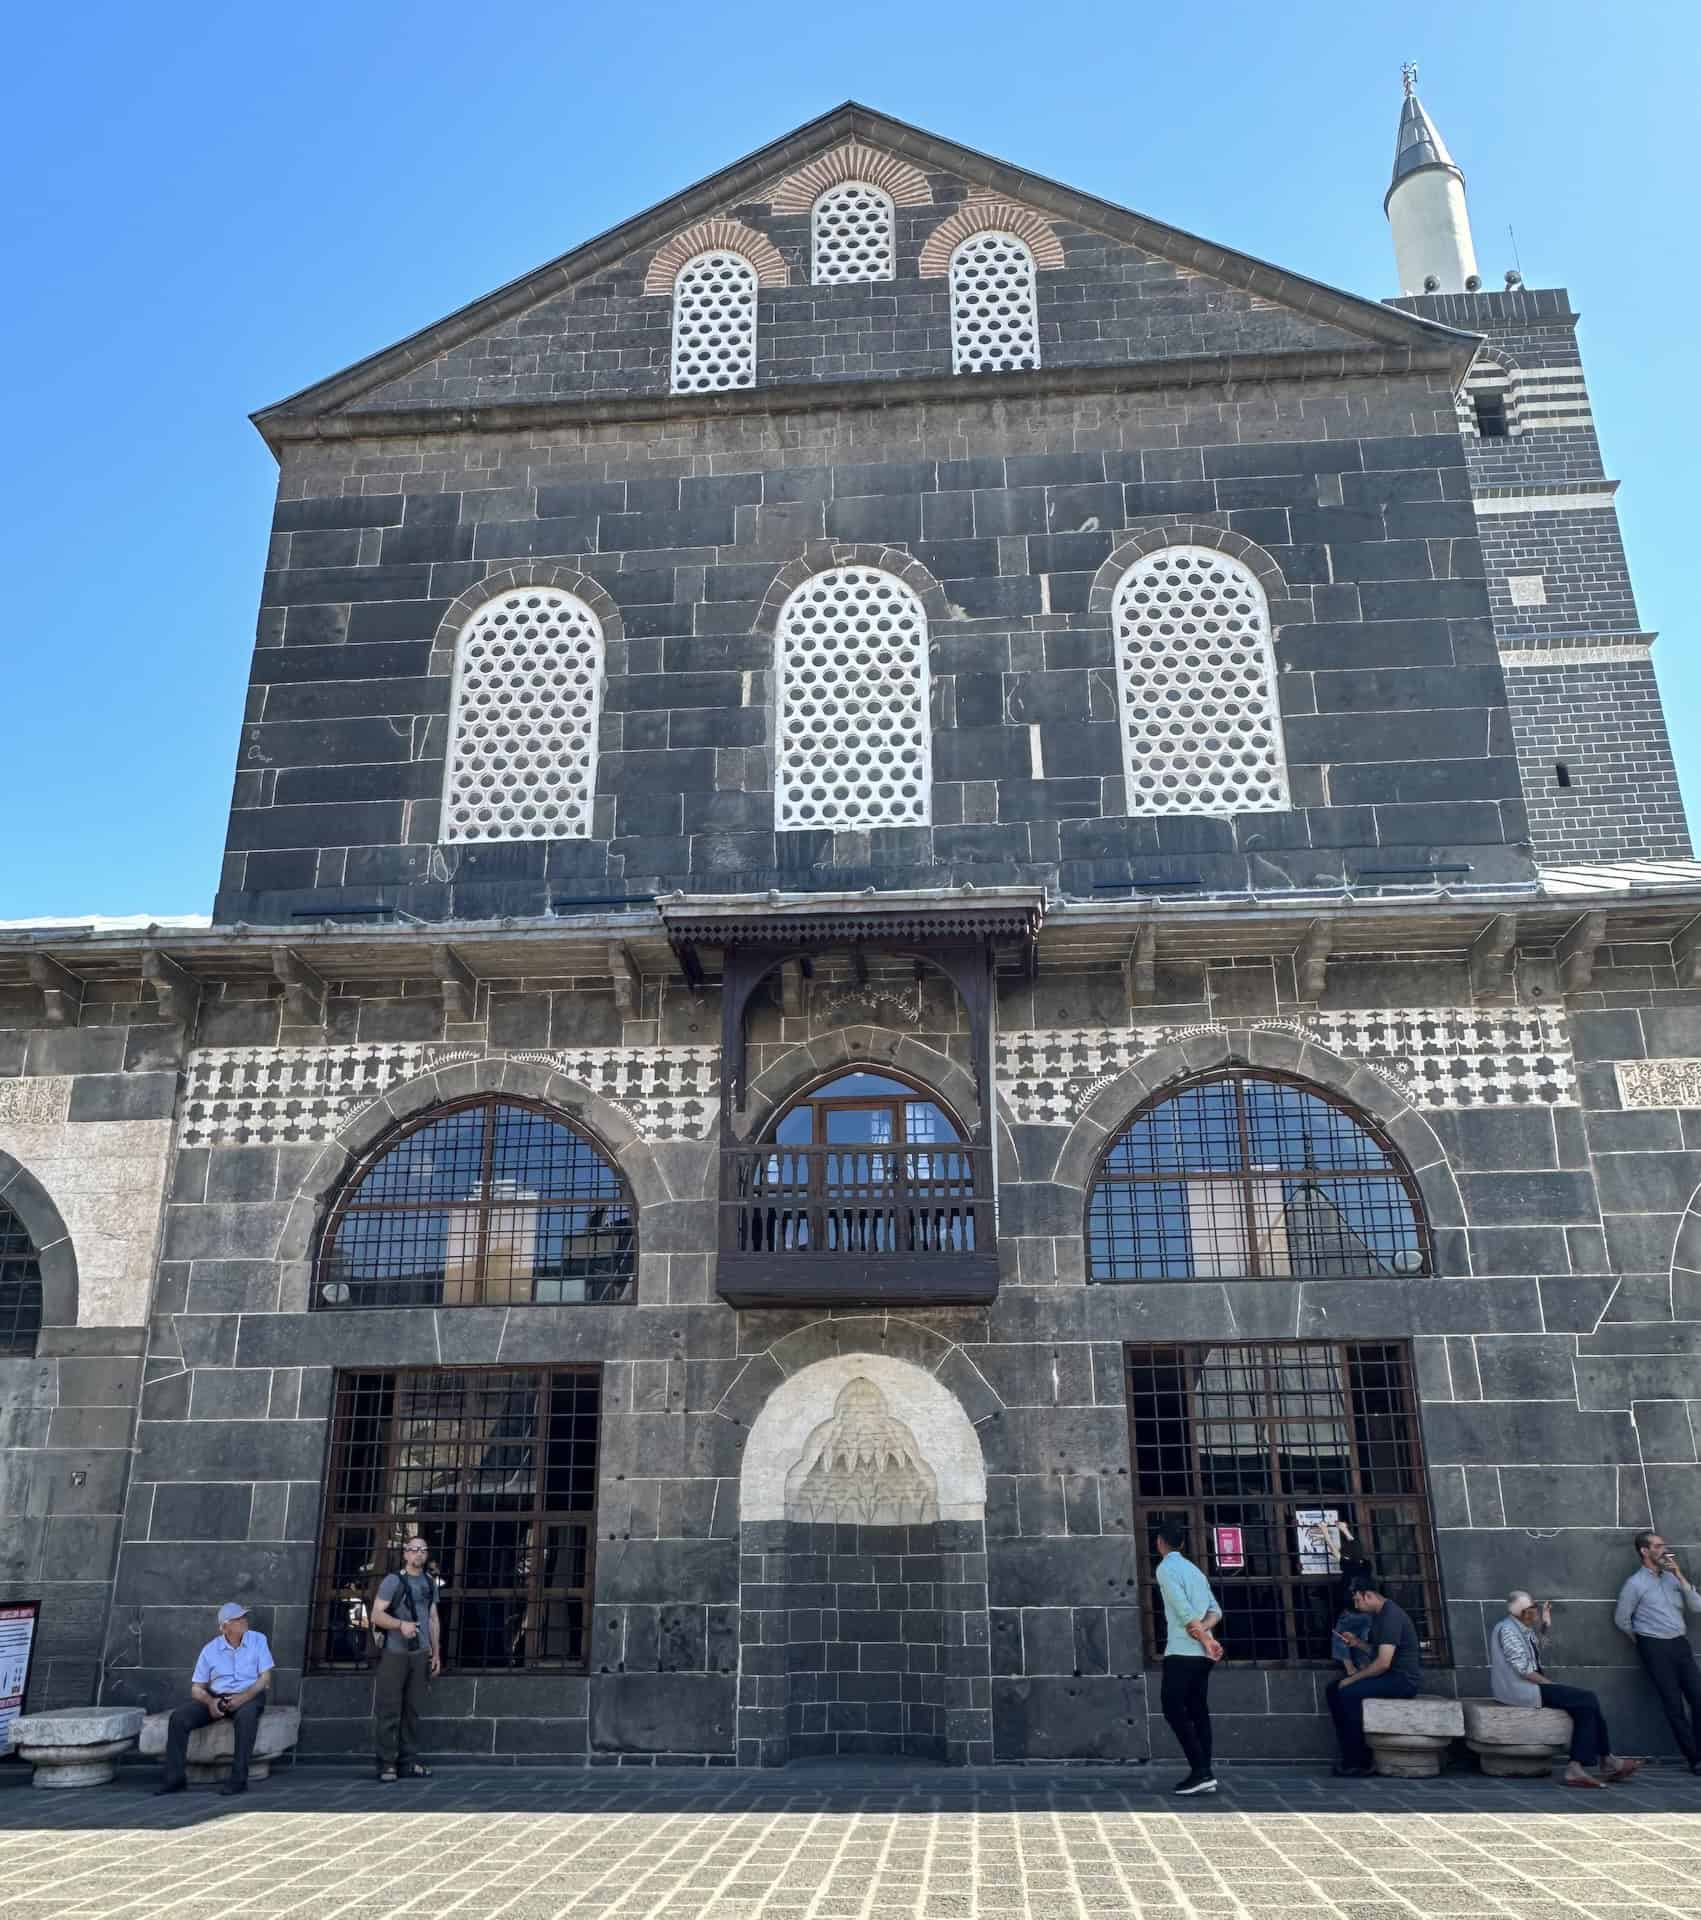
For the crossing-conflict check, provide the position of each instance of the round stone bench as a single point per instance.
(212, 1748)
(1409, 1738)
(75, 1746)
(1516, 1740)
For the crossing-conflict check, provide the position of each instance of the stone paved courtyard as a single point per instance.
(851, 1842)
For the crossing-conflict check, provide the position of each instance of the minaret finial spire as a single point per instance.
(1408, 76)
(1425, 204)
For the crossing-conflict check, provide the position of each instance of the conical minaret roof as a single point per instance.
(1418, 144)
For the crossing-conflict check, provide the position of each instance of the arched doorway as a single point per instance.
(862, 1506)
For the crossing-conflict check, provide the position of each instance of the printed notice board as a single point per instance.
(17, 1642)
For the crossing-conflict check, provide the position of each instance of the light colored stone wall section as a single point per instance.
(107, 1178)
(933, 1416)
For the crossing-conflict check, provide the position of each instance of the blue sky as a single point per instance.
(215, 206)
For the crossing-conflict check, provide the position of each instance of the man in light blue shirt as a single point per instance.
(1653, 1605)
(1190, 1651)
(230, 1682)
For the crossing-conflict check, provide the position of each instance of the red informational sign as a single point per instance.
(1231, 1551)
(17, 1640)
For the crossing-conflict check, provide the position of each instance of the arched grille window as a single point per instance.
(529, 670)
(20, 1286)
(865, 1164)
(853, 720)
(993, 320)
(852, 225)
(487, 1203)
(1196, 673)
(714, 324)
(1250, 1176)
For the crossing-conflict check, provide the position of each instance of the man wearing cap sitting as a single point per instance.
(231, 1680)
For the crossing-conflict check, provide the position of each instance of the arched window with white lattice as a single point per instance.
(714, 324)
(852, 723)
(994, 325)
(852, 227)
(1196, 676)
(529, 671)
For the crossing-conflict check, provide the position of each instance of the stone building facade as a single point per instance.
(886, 917)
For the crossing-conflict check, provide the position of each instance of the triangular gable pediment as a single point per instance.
(856, 142)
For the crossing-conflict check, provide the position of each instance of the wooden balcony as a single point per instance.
(854, 1225)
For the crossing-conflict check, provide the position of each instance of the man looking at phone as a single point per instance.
(1652, 1605)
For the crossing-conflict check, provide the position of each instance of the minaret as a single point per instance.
(1425, 205)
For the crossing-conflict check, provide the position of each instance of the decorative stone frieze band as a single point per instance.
(1433, 1056)
(266, 1096)
(1658, 1083)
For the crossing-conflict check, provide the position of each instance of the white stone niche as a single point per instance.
(932, 1414)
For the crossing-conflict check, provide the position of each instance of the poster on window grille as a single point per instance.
(1319, 1530)
(1230, 1544)
(17, 1640)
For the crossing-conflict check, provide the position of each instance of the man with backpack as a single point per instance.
(405, 1613)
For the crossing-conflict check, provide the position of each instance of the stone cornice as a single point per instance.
(819, 396)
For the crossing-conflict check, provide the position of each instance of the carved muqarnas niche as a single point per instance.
(862, 1467)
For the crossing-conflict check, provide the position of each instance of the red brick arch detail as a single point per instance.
(1254, 558)
(990, 216)
(716, 236)
(819, 555)
(904, 185)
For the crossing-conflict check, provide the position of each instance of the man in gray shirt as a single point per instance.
(406, 1612)
(1652, 1605)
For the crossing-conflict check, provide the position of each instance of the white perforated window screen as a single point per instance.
(714, 324)
(523, 724)
(993, 322)
(853, 234)
(853, 720)
(1201, 724)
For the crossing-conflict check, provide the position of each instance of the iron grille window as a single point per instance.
(1281, 1463)
(488, 1203)
(1255, 1176)
(20, 1286)
(496, 1468)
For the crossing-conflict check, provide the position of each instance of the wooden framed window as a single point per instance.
(1253, 1176)
(1266, 1456)
(490, 1202)
(496, 1467)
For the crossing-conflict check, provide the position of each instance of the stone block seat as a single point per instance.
(1516, 1740)
(213, 1747)
(75, 1746)
(1409, 1738)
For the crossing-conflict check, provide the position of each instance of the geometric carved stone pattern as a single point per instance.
(523, 733)
(1436, 1057)
(40, 1102)
(993, 322)
(261, 1096)
(853, 234)
(714, 324)
(862, 1467)
(1202, 728)
(853, 706)
(1658, 1083)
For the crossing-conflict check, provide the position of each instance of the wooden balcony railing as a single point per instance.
(855, 1225)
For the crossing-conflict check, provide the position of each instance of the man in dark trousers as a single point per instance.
(1654, 1605)
(231, 1681)
(1190, 1651)
(405, 1611)
(1394, 1672)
